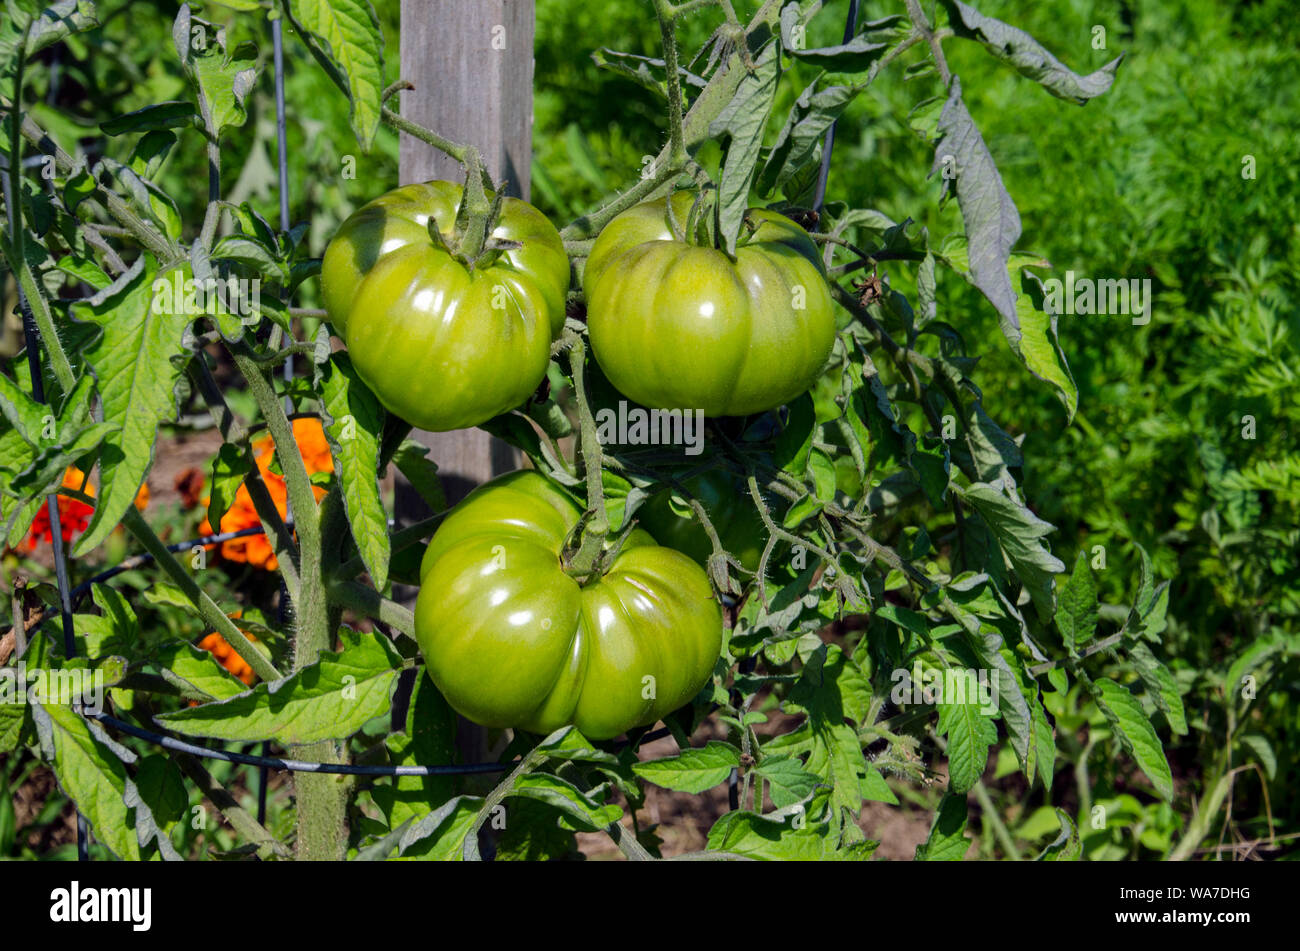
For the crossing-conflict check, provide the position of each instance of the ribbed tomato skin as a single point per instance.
(511, 640)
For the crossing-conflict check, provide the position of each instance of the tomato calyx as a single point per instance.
(580, 554)
(589, 552)
(700, 227)
(472, 243)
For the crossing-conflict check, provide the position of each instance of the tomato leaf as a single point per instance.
(796, 145)
(990, 217)
(1027, 56)
(743, 120)
(970, 733)
(1019, 533)
(138, 360)
(441, 834)
(787, 781)
(159, 116)
(1077, 613)
(91, 773)
(947, 841)
(1033, 338)
(49, 23)
(427, 737)
(196, 672)
(578, 807)
(223, 77)
(1160, 684)
(13, 716)
(693, 770)
(785, 835)
(793, 445)
(1129, 721)
(353, 420)
(853, 56)
(831, 690)
(230, 466)
(412, 460)
(352, 37)
(161, 785)
(327, 700)
(648, 72)
(1066, 847)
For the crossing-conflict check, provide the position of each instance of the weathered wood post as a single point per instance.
(472, 67)
(471, 64)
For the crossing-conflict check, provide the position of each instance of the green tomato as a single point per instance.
(511, 640)
(442, 345)
(670, 518)
(677, 326)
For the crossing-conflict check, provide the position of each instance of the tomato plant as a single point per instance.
(804, 555)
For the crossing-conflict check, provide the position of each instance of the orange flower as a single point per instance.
(219, 648)
(309, 434)
(74, 514)
(256, 549)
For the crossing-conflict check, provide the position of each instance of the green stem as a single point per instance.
(368, 601)
(233, 431)
(476, 210)
(583, 563)
(1206, 809)
(708, 105)
(668, 32)
(1083, 782)
(591, 223)
(922, 25)
(44, 319)
(690, 6)
(164, 249)
(990, 814)
(17, 234)
(427, 136)
(321, 798)
(306, 514)
(776, 531)
(1096, 648)
(245, 826)
(113, 262)
(208, 609)
(534, 758)
(212, 216)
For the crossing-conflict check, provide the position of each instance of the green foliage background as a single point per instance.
(1144, 182)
